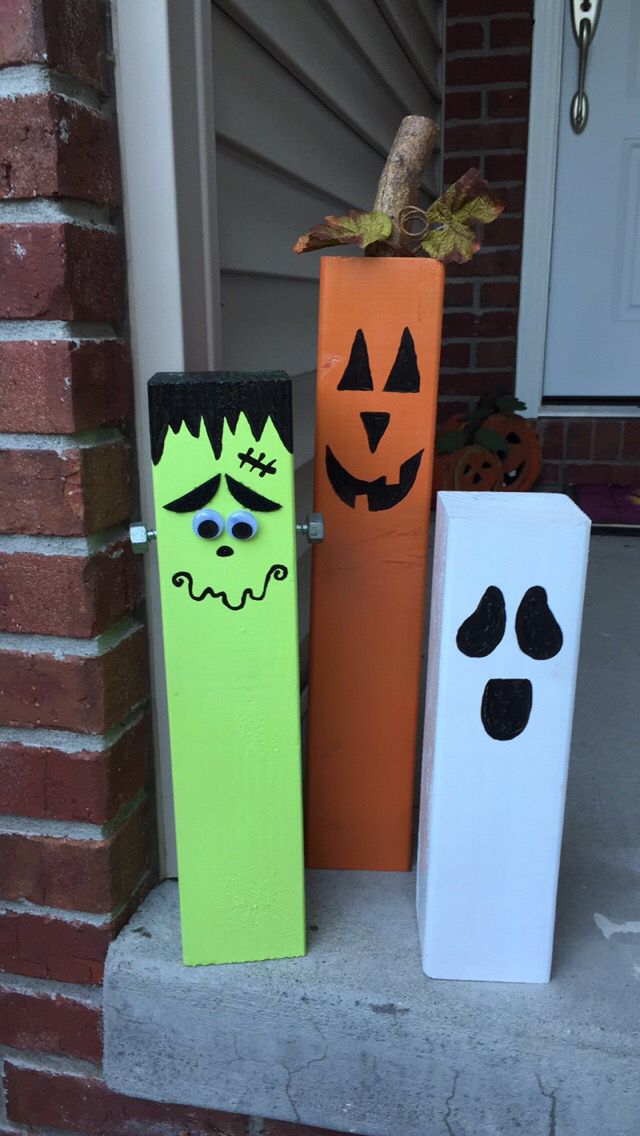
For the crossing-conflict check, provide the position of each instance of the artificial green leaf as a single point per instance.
(479, 414)
(509, 403)
(450, 441)
(356, 228)
(451, 235)
(491, 440)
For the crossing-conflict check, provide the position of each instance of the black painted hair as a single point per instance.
(216, 397)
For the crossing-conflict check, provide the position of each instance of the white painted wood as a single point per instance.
(544, 112)
(491, 811)
(588, 410)
(593, 333)
(165, 112)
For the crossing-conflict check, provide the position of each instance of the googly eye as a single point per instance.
(207, 524)
(242, 525)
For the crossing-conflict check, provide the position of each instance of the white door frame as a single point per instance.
(544, 118)
(164, 88)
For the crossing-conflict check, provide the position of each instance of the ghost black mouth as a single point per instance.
(506, 706)
(276, 572)
(379, 493)
(512, 475)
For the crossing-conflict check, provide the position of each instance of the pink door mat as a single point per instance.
(609, 506)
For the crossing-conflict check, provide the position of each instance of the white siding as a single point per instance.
(308, 95)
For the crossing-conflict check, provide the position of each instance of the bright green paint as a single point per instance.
(232, 688)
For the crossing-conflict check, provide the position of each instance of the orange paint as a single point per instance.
(369, 573)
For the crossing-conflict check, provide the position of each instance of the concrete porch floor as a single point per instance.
(355, 1038)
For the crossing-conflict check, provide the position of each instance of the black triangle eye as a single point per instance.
(480, 634)
(357, 373)
(404, 376)
(537, 630)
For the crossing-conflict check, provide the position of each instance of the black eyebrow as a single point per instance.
(249, 498)
(196, 498)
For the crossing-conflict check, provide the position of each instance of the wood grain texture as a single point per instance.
(231, 657)
(369, 574)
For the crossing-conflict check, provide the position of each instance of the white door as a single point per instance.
(593, 332)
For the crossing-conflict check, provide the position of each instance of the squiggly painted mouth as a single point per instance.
(379, 493)
(276, 572)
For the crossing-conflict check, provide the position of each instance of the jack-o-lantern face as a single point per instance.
(521, 457)
(403, 379)
(378, 352)
(473, 468)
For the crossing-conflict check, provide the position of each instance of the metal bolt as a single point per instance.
(140, 535)
(312, 528)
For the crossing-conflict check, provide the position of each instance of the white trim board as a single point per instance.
(544, 115)
(588, 410)
(164, 85)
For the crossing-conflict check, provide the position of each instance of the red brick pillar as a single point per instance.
(75, 849)
(488, 44)
(74, 810)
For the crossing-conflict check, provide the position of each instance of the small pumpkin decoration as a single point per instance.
(521, 458)
(505, 440)
(473, 468)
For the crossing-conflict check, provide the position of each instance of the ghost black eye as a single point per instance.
(207, 524)
(480, 634)
(537, 630)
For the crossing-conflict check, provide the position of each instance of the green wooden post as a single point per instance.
(224, 506)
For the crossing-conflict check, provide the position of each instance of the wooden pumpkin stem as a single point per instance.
(399, 184)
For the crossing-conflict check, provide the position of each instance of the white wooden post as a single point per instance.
(506, 609)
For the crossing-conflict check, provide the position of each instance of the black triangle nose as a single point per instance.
(375, 423)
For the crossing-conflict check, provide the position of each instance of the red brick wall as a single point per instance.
(75, 819)
(488, 45)
(486, 107)
(603, 451)
(75, 849)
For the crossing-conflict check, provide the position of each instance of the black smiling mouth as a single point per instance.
(380, 493)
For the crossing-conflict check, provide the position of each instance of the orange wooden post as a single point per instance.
(378, 352)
